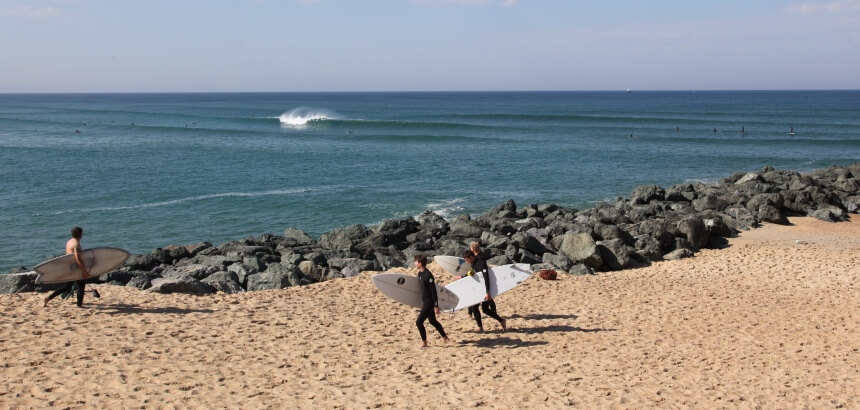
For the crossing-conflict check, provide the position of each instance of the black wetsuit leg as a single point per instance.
(476, 313)
(428, 313)
(489, 307)
(60, 291)
(80, 286)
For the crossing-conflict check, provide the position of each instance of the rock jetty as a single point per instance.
(651, 224)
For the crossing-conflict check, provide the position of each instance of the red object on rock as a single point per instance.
(548, 274)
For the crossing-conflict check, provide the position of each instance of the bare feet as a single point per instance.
(479, 330)
(423, 344)
(504, 324)
(45, 301)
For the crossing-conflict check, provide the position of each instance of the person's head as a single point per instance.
(469, 256)
(77, 232)
(475, 248)
(420, 261)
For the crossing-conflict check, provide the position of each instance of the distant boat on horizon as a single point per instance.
(629, 90)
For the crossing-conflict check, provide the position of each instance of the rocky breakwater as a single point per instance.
(651, 224)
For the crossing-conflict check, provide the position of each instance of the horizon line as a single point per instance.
(625, 91)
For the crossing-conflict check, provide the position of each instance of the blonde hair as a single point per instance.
(474, 246)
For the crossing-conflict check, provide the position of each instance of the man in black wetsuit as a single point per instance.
(479, 266)
(430, 305)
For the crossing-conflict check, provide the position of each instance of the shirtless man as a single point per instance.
(73, 247)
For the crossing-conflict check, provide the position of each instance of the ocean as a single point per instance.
(141, 171)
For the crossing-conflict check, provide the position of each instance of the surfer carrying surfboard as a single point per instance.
(73, 247)
(430, 301)
(488, 306)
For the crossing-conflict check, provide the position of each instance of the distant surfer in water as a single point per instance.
(430, 301)
(488, 306)
(73, 247)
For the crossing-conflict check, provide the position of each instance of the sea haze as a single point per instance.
(141, 171)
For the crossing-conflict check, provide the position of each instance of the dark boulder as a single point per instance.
(141, 262)
(648, 248)
(195, 271)
(644, 194)
(694, 230)
(616, 255)
(393, 231)
(276, 276)
(433, 223)
(580, 270)
(141, 280)
(769, 213)
(465, 229)
(581, 248)
(298, 236)
(345, 239)
(678, 254)
(709, 202)
(830, 214)
(225, 282)
(183, 284)
(557, 261)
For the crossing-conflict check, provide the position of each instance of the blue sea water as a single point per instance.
(141, 171)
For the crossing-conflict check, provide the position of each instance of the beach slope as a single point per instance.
(773, 320)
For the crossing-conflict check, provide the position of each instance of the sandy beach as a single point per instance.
(771, 321)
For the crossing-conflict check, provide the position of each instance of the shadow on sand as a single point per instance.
(543, 317)
(117, 309)
(502, 342)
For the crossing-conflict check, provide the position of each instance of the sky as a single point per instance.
(427, 45)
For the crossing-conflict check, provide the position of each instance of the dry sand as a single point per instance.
(769, 322)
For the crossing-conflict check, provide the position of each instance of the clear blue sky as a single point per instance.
(401, 45)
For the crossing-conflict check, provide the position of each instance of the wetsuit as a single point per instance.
(79, 284)
(489, 306)
(430, 301)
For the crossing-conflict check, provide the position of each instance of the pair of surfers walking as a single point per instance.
(430, 300)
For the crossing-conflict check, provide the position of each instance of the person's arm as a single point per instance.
(432, 284)
(486, 273)
(80, 263)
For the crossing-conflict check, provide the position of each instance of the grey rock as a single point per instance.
(525, 256)
(678, 254)
(768, 213)
(345, 239)
(195, 271)
(242, 271)
(580, 269)
(829, 214)
(142, 280)
(752, 176)
(709, 202)
(183, 284)
(276, 276)
(499, 260)
(694, 230)
(581, 248)
(140, 262)
(557, 261)
(648, 248)
(644, 194)
(465, 229)
(433, 223)
(357, 265)
(225, 282)
(616, 255)
(298, 236)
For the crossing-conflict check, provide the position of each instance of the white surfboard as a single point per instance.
(452, 264)
(471, 289)
(406, 289)
(64, 268)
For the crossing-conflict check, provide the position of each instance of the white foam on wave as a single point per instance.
(300, 117)
(447, 209)
(190, 199)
